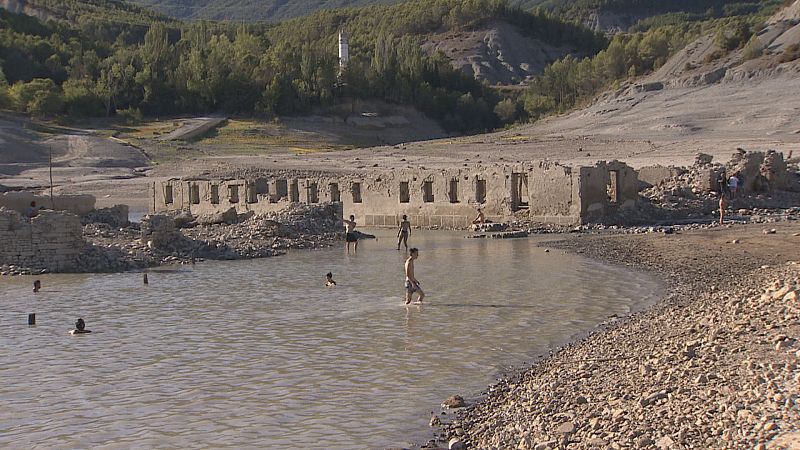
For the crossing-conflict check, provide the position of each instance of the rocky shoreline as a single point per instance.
(712, 365)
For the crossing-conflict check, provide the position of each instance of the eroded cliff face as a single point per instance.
(23, 7)
(497, 53)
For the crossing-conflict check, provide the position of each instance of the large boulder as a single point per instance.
(228, 216)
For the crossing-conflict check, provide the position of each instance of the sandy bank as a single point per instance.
(713, 365)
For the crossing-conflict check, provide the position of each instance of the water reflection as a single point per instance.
(261, 354)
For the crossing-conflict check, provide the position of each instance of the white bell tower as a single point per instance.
(344, 53)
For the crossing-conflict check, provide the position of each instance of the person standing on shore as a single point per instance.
(404, 232)
(723, 204)
(350, 236)
(722, 182)
(412, 284)
(733, 184)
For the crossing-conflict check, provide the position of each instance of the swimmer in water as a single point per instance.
(329, 280)
(37, 285)
(80, 327)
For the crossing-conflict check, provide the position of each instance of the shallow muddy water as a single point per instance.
(258, 354)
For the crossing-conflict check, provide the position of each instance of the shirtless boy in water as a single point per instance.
(403, 232)
(350, 236)
(412, 284)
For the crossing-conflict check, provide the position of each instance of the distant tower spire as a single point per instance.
(344, 54)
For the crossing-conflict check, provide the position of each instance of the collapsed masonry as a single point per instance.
(543, 192)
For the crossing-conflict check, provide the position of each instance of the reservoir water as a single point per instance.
(258, 354)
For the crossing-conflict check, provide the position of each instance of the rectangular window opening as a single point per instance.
(356, 189)
(233, 193)
(262, 186)
(215, 194)
(427, 191)
(613, 186)
(312, 192)
(336, 196)
(168, 198)
(519, 191)
(194, 194)
(294, 191)
(251, 193)
(480, 191)
(453, 191)
(405, 192)
(282, 189)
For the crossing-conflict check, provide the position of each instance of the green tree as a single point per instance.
(40, 97)
(506, 110)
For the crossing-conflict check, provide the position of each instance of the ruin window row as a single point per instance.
(290, 189)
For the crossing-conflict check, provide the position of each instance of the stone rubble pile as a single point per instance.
(116, 216)
(721, 370)
(158, 240)
(765, 180)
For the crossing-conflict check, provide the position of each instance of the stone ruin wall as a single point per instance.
(51, 240)
(79, 204)
(606, 188)
(543, 192)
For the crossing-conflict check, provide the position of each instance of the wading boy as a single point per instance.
(412, 284)
(403, 232)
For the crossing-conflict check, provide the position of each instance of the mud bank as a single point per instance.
(713, 365)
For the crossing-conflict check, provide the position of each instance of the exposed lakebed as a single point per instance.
(259, 354)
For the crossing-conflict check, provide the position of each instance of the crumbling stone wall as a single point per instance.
(607, 189)
(544, 192)
(50, 241)
(657, 175)
(159, 231)
(78, 204)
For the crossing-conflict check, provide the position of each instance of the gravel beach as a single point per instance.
(712, 365)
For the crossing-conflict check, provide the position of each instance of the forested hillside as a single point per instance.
(107, 58)
(627, 13)
(249, 10)
(80, 67)
(580, 10)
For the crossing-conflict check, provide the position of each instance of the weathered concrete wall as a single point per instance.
(51, 240)
(543, 192)
(74, 204)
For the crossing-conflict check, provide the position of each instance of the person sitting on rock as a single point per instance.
(32, 211)
(480, 218)
(329, 280)
(80, 327)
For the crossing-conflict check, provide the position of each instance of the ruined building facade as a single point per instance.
(543, 192)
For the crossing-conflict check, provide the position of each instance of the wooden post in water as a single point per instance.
(52, 202)
(32, 319)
